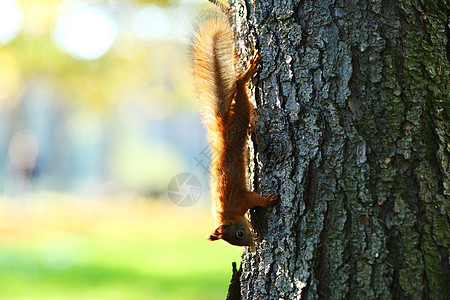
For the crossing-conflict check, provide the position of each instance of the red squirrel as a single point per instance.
(226, 111)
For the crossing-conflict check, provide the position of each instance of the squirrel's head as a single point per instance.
(236, 232)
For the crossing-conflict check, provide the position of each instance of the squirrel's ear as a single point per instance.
(217, 234)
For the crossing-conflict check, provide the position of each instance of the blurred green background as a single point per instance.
(97, 115)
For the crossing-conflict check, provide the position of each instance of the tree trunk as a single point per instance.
(353, 106)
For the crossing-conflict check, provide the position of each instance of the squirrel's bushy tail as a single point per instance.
(215, 74)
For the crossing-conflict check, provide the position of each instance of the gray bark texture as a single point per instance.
(353, 132)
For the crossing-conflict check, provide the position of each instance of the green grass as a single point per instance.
(118, 251)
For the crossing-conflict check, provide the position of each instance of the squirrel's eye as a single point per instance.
(240, 233)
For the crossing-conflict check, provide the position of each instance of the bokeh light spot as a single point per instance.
(11, 18)
(86, 33)
(23, 150)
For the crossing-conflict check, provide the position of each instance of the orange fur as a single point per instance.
(225, 108)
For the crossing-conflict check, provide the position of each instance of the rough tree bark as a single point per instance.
(353, 132)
